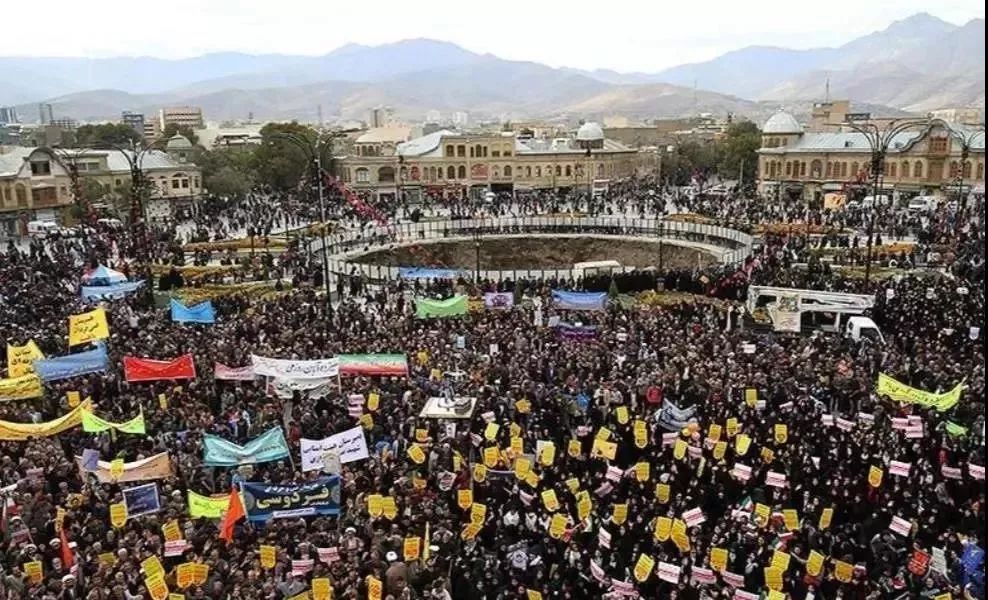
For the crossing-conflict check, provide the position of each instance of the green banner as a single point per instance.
(900, 392)
(93, 424)
(425, 307)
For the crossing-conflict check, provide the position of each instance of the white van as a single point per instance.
(41, 229)
(587, 269)
(869, 201)
(859, 328)
(922, 203)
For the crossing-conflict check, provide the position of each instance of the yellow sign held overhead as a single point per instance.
(88, 327)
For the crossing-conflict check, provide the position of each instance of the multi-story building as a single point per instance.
(8, 115)
(65, 123)
(35, 183)
(183, 116)
(134, 120)
(151, 129)
(794, 163)
(45, 114)
(456, 164)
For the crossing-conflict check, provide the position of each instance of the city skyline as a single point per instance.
(627, 37)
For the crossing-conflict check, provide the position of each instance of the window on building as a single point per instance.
(471, 151)
(363, 175)
(117, 182)
(461, 172)
(496, 171)
(830, 168)
(40, 167)
(461, 151)
(569, 171)
(538, 171)
(175, 184)
(816, 169)
(967, 170)
(559, 171)
(21, 192)
(788, 168)
(528, 171)
(802, 169)
(449, 150)
(954, 168)
(854, 169)
(476, 151)
(507, 152)
(891, 170)
(185, 184)
(843, 169)
(437, 173)
(938, 145)
(507, 170)
(403, 173)
(600, 170)
(495, 154)
(483, 150)
(917, 169)
(195, 183)
(451, 172)
(981, 171)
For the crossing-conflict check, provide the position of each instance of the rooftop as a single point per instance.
(380, 135)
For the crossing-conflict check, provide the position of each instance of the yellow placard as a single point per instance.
(412, 548)
(162, 402)
(421, 434)
(768, 455)
(679, 536)
(679, 450)
(464, 498)
(732, 427)
(322, 588)
(643, 471)
(490, 432)
(269, 556)
(373, 401)
(478, 512)
(24, 387)
(172, 531)
(34, 571)
(118, 514)
(773, 578)
(742, 443)
(471, 530)
(781, 433)
(532, 594)
(157, 588)
(644, 567)
(514, 430)
(416, 453)
(557, 526)
(622, 415)
(375, 505)
(875, 476)
(750, 396)
(479, 473)
(583, 507)
(718, 559)
(843, 571)
(814, 564)
(603, 434)
(620, 514)
(763, 512)
(184, 574)
(152, 566)
(422, 356)
(531, 479)
(640, 429)
(606, 449)
(88, 327)
(73, 398)
(663, 528)
(374, 587)
(200, 573)
(20, 359)
(107, 558)
(714, 432)
(419, 483)
(389, 508)
(720, 449)
(780, 560)
(775, 595)
(366, 421)
(550, 501)
(662, 493)
(457, 461)
(548, 454)
(573, 484)
(491, 456)
(435, 374)
(791, 519)
(825, 517)
(517, 445)
(574, 448)
(943, 596)
(522, 467)
(523, 406)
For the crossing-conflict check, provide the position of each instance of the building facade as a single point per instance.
(133, 120)
(183, 116)
(35, 184)
(934, 159)
(454, 164)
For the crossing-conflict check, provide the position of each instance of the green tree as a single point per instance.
(739, 151)
(103, 134)
(227, 181)
(173, 129)
(281, 163)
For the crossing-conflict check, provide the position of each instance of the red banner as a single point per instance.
(146, 369)
(919, 562)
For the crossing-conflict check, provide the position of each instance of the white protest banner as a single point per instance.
(669, 572)
(743, 595)
(939, 563)
(604, 538)
(349, 445)
(301, 567)
(951, 472)
(900, 469)
(694, 517)
(775, 479)
(732, 579)
(280, 368)
(976, 471)
(597, 571)
(827, 420)
(900, 526)
(742, 472)
(702, 576)
(329, 555)
(914, 431)
(309, 388)
(614, 473)
(900, 423)
(844, 424)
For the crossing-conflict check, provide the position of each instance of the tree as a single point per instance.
(228, 182)
(173, 129)
(106, 134)
(739, 151)
(281, 163)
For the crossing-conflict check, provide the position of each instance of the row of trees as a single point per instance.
(733, 155)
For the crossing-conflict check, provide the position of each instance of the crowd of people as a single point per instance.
(672, 451)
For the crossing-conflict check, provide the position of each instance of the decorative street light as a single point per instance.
(966, 138)
(879, 141)
(69, 160)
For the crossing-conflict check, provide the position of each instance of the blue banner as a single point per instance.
(576, 332)
(316, 498)
(200, 313)
(72, 365)
(142, 500)
(115, 290)
(269, 446)
(428, 273)
(579, 300)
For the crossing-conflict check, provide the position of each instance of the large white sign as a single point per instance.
(295, 369)
(349, 445)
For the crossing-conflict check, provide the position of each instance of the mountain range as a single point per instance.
(916, 64)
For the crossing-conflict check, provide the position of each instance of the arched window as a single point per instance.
(854, 169)
(569, 171)
(451, 172)
(528, 171)
(788, 168)
(21, 193)
(981, 170)
(449, 150)
(891, 169)
(816, 169)
(559, 171)
(496, 171)
(507, 170)
(967, 169)
(461, 151)
(843, 169)
(438, 172)
(363, 175)
(768, 168)
(386, 175)
(471, 151)
(476, 151)
(953, 168)
(830, 168)
(917, 169)
(461, 172)
(802, 169)
(538, 171)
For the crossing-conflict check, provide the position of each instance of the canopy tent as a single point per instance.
(103, 275)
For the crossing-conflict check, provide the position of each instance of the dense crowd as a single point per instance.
(705, 412)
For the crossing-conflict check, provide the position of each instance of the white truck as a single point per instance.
(793, 309)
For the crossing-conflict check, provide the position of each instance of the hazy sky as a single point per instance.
(619, 34)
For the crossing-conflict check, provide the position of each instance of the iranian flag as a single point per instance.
(373, 364)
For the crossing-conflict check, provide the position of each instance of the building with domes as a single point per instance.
(796, 163)
(457, 164)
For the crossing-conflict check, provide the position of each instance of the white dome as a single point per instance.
(178, 142)
(589, 132)
(782, 123)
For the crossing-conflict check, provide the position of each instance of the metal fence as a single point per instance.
(345, 248)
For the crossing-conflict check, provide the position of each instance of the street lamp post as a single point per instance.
(966, 140)
(879, 141)
(69, 161)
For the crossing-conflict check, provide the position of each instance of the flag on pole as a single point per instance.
(233, 514)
